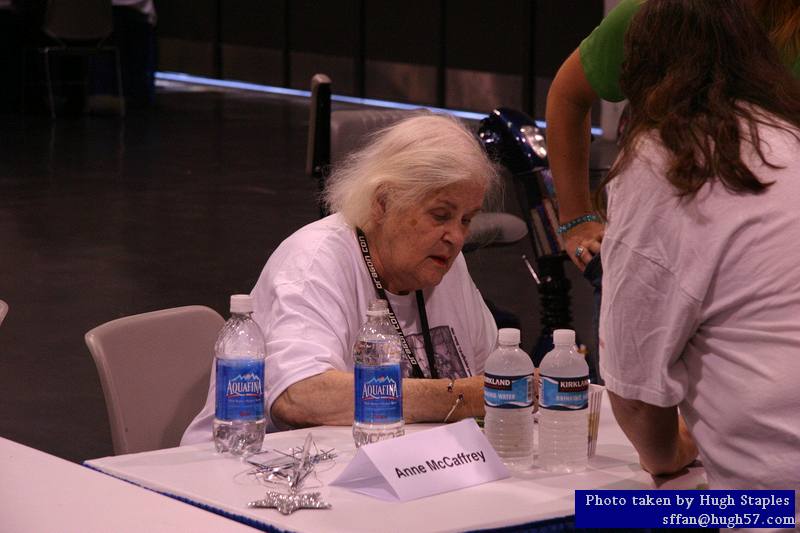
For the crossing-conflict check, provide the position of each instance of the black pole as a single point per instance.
(287, 44)
(441, 62)
(218, 66)
(529, 68)
(359, 55)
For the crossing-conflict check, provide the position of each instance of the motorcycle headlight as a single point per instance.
(535, 139)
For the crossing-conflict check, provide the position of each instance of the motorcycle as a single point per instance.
(515, 140)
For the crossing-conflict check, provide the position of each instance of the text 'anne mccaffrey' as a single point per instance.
(432, 465)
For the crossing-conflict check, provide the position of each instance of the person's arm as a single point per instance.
(327, 399)
(427, 400)
(659, 434)
(569, 103)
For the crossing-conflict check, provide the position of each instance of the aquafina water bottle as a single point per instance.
(239, 421)
(378, 380)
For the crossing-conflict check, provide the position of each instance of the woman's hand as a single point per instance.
(583, 242)
(685, 454)
(659, 434)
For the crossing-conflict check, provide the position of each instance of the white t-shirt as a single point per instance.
(701, 309)
(312, 298)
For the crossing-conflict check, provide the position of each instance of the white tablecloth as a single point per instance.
(40, 493)
(195, 473)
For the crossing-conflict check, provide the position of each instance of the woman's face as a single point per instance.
(415, 247)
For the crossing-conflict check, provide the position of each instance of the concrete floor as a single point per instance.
(102, 218)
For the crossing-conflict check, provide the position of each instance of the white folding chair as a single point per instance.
(154, 369)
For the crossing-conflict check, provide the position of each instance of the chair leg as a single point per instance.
(120, 90)
(23, 98)
(49, 83)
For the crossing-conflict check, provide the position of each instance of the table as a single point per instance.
(195, 473)
(43, 493)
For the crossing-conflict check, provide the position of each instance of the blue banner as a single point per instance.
(684, 508)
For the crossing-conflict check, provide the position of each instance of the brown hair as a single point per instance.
(781, 19)
(693, 70)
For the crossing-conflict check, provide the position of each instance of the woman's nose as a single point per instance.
(456, 234)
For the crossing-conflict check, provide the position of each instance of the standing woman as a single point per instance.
(701, 303)
(592, 72)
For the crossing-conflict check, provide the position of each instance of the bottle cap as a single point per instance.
(508, 336)
(378, 308)
(564, 336)
(241, 303)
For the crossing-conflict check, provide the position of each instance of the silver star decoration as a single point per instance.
(289, 503)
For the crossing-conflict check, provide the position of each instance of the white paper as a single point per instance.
(429, 462)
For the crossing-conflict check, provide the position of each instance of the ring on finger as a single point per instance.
(579, 251)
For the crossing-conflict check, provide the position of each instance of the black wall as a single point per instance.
(465, 54)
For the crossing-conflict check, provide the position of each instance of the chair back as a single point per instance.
(332, 135)
(154, 369)
(78, 20)
(3, 310)
(351, 128)
(318, 152)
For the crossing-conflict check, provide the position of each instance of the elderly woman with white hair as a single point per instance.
(410, 195)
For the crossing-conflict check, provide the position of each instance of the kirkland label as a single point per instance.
(378, 394)
(240, 391)
(508, 392)
(564, 394)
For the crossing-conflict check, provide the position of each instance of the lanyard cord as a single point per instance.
(426, 334)
(416, 370)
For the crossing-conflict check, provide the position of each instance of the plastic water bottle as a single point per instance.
(508, 394)
(239, 421)
(378, 379)
(563, 406)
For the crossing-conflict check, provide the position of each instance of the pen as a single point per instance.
(531, 270)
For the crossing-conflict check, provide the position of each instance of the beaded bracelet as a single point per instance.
(566, 226)
(459, 400)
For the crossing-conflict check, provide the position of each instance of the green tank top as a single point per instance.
(601, 52)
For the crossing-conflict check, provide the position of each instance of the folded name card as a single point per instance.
(429, 462)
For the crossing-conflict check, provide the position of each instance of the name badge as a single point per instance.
(433, 461)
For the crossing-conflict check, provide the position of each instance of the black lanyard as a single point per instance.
(416, 371)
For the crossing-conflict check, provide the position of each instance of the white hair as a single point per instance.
(407, 162)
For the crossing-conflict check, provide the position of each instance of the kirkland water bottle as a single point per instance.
(378, 381)
(508, 393)
(239, 421)
(563, 402)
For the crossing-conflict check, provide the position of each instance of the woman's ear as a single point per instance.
(379, 205)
